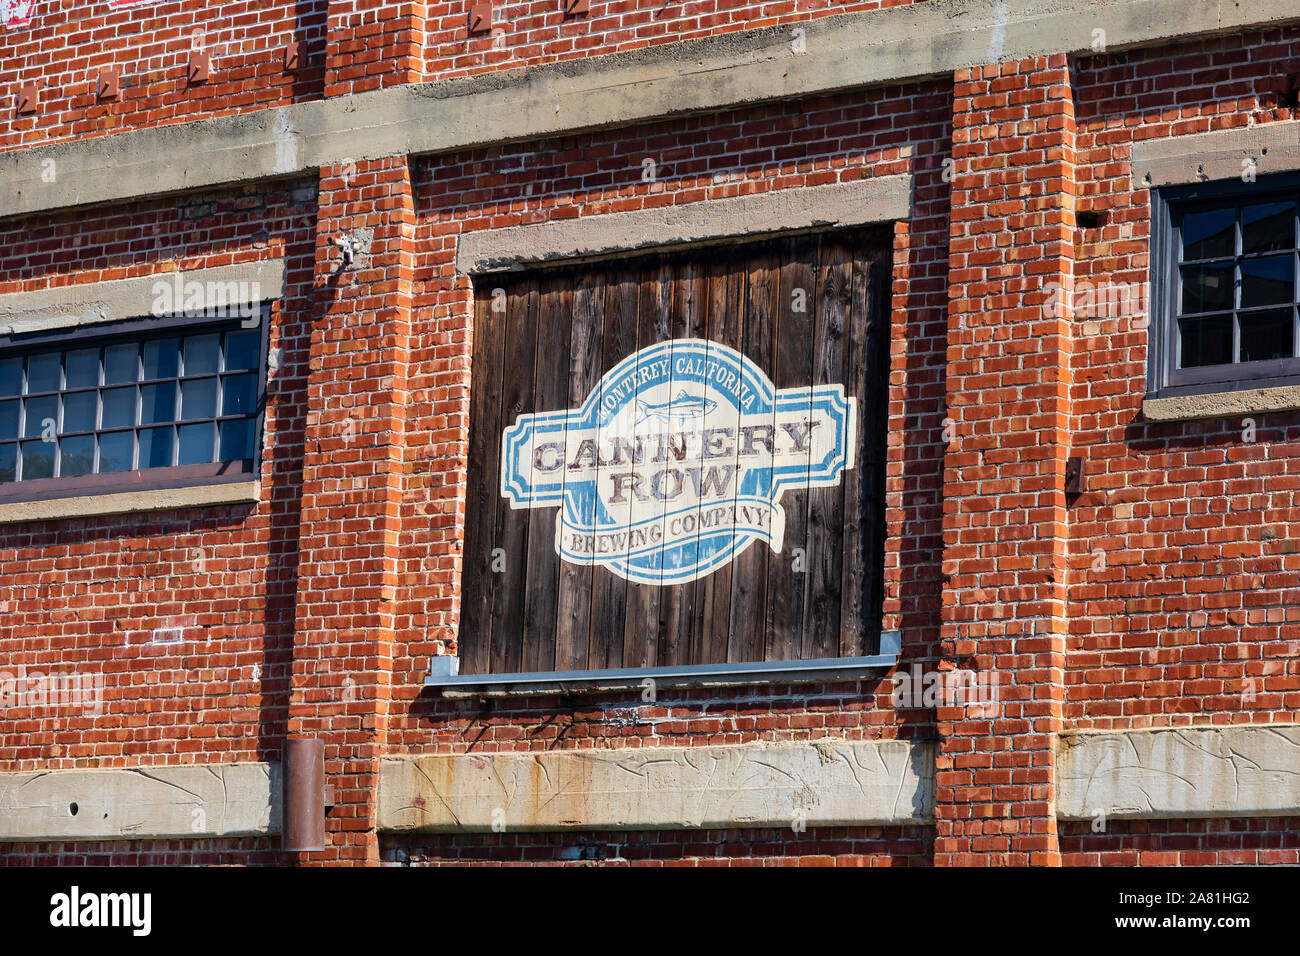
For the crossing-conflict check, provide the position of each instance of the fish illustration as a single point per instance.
(682, 408)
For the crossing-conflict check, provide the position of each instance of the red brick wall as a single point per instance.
(349, 571)
(1185, 550)
(1248, 841)
(807, 143)
(86, 596)
(818, 846)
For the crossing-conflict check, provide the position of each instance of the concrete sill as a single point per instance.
(125, 502)
(1248, 401)
(822, 671)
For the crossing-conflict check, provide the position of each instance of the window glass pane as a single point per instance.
(195, 444)
(8, 462)
(1209, 235)
(199, 398)
(1269, 227)
(157, 403)
(42, 416)
(81, 368)
(237, 439)
(1267, 281)
(38, 460)
(239, 394)
(1205, 341)
(9, 419)
(1207, 288)
(1266, 335)
(162, 358)
(115, 452)
(43, 373)
(201, 354)
(77, 456)
(243, 349)
(119, 407)
(120, 363)
(79, 411)
(155, 447)
(11, 376)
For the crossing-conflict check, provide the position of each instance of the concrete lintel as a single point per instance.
(1249, 401)
(1223, 154)
(823, 783)
(1237, 771)
(125, 502)
(731, 70)
(854, 203)
(232, 287)
(141, 803)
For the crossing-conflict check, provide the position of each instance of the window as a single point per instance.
(150, 406)
(1224, 270)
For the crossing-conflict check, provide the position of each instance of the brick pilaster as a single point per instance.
(1005, 509)
(373, 44)
(352, 471)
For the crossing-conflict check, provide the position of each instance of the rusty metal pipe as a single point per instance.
(304, 795)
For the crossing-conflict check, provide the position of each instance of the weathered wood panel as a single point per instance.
(807, 311)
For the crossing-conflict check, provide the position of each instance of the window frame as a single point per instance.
(1164, 379)
(141, 479)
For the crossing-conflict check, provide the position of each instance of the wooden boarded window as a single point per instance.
(809, 310)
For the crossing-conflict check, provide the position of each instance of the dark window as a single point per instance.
(135, 409)
(1224, 268)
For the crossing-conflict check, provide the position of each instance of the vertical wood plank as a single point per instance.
(574, 615)
(821, 630)
(793, 368)
(689, 320)
(484, 477)
(609, 595)
(713, 593)
(864, 496)
(551, 391)
(745, 640)
(515, 396)
(642, 622)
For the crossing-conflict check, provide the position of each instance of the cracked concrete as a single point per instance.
(1180, 772)
(189, 802)
(823, 783)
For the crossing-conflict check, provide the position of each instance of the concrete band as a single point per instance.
(191, 802)
(87, 303)
(90, 506)
(783, 210)
(1236, 771)
(732, 70)
(1223, 154)
(817, 783)
(1247, 401)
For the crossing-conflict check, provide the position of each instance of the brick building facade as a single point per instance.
(1088, 468)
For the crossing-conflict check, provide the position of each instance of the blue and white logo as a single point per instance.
(677, 461)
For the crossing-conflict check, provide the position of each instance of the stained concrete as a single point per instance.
(126, 502)
(837, 204)
(1223, 154)
(88, 303)
(1185, 772)
(1248, 401)
(730, 70)
(212, 800)
(820, 783)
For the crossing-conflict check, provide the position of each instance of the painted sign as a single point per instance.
(677, 461)
(16, 13)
